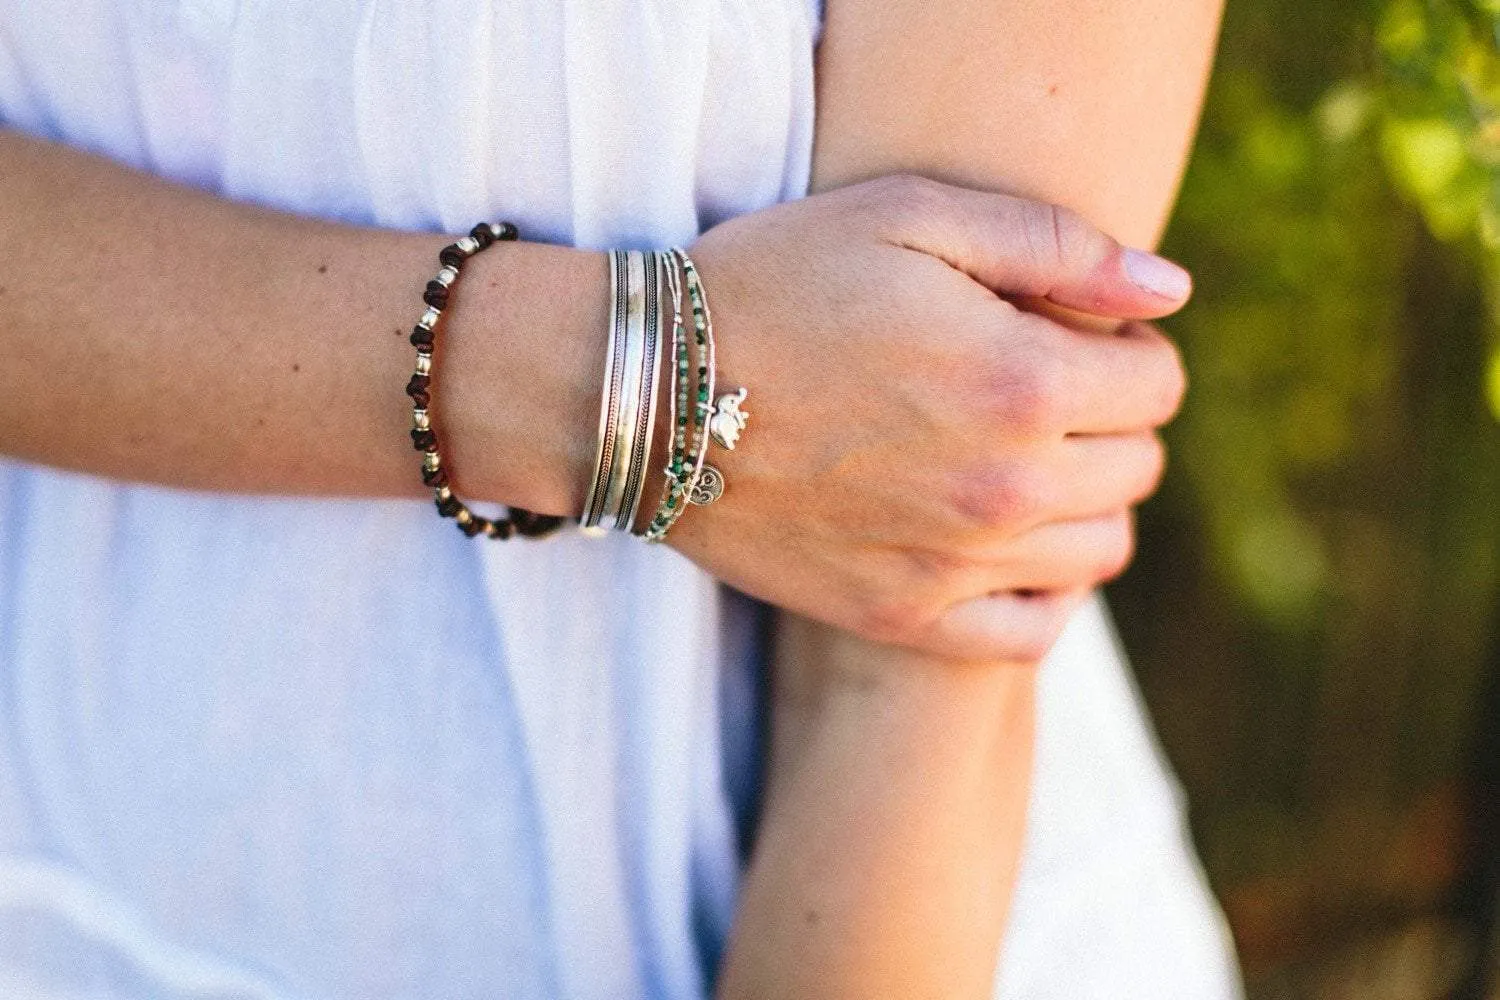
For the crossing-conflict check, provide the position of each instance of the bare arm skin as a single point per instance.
(896, 801)
(165, 335)
(161, 334)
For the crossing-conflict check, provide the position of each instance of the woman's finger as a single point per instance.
(1072, 479)
(1015, 628)
(1022, 248)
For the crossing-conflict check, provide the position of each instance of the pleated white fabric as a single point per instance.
(286, 749)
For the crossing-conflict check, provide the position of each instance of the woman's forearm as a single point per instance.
(891, 830)
(161, 334)
(1090, 106)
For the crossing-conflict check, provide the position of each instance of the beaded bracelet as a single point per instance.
(419, 388)
(678, 473)
(719, 419)
(699, 492)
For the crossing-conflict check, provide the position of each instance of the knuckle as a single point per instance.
(890, 620)
(1040, 227)
(909, 199)
(1027, 398)
(1055, 236)
(938, 567)
(1004, 499)
(1071, 234)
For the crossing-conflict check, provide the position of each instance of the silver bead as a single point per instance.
(447, 276)
(419, 420)
(429, 318)
(443, 493)
(463, 516)
(424, 364)
(497, 229)
(468, 245)
(431, 461)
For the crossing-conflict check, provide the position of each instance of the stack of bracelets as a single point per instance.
(627, 409)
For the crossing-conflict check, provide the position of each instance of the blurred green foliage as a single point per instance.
(1314, 604)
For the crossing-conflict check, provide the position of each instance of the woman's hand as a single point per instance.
(926, 463)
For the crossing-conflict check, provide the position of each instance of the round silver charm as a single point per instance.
(710, 487)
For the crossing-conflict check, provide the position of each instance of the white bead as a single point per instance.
(420, 420)
(469, 245)
(447, 276)
(429, 318)
(424, 364)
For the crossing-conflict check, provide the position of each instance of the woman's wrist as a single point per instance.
(518, 375)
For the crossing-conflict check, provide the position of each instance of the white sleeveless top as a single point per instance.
(277, 749)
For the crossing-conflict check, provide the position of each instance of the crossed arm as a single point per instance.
(895, 811)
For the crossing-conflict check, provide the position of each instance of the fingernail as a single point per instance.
(1157, 275)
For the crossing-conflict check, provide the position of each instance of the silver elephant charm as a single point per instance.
(728, 420)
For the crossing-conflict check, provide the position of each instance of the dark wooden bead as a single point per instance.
(449, 507)
(472, 527)
(420, 337)
(434, 477)
(483, 235)
(452, 256)
(435, 295)
(508, 231)
(534, 525)
(502, 529)
(418, 383)
(423, 440)
(421, 400)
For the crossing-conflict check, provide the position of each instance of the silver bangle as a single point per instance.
(609, 403)
(627, 408)
(630, 389)
(650, 374)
